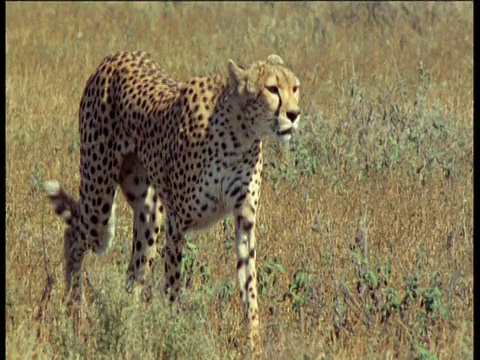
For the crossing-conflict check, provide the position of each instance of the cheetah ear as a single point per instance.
(238, 75)
(275, 59)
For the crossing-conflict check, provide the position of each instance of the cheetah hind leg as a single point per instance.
(106, 239)
(147, 213)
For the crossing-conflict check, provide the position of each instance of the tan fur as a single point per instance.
(187, 151)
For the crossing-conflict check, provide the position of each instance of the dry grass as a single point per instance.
(366, 227)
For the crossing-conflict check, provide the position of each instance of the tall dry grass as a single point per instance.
(365, 231)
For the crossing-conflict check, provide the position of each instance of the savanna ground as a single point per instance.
(365, 233)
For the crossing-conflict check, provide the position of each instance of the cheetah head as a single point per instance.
(271, 94)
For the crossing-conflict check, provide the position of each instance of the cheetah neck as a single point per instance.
(230, 122)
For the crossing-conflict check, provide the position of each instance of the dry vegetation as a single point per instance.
(366, 228)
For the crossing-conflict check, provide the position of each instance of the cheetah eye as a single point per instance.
(295, 88)
(272, 89)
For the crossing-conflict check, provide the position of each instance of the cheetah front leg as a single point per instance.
(247, 275)
(173, 258)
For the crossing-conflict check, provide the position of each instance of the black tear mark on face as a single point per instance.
(277, 113)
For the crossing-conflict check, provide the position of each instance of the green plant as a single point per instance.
(267, 276)
(300, 290)
(189, 261)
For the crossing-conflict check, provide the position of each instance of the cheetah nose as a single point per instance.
(293, 115)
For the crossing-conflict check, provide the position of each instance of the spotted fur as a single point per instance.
(189, 152)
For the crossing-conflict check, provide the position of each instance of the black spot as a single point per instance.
(94, 219)
(130, 197)
(240, 219)
(241, 198)
(247, 226)
(235, 191)
(172, 259)
(105, 208)
(138, 245)
(93, 233)
(240, 264)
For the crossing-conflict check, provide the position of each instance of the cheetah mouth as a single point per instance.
(282, 134)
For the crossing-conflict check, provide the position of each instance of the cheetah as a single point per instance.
(187, 152)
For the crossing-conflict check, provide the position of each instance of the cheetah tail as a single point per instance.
(63, 203)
